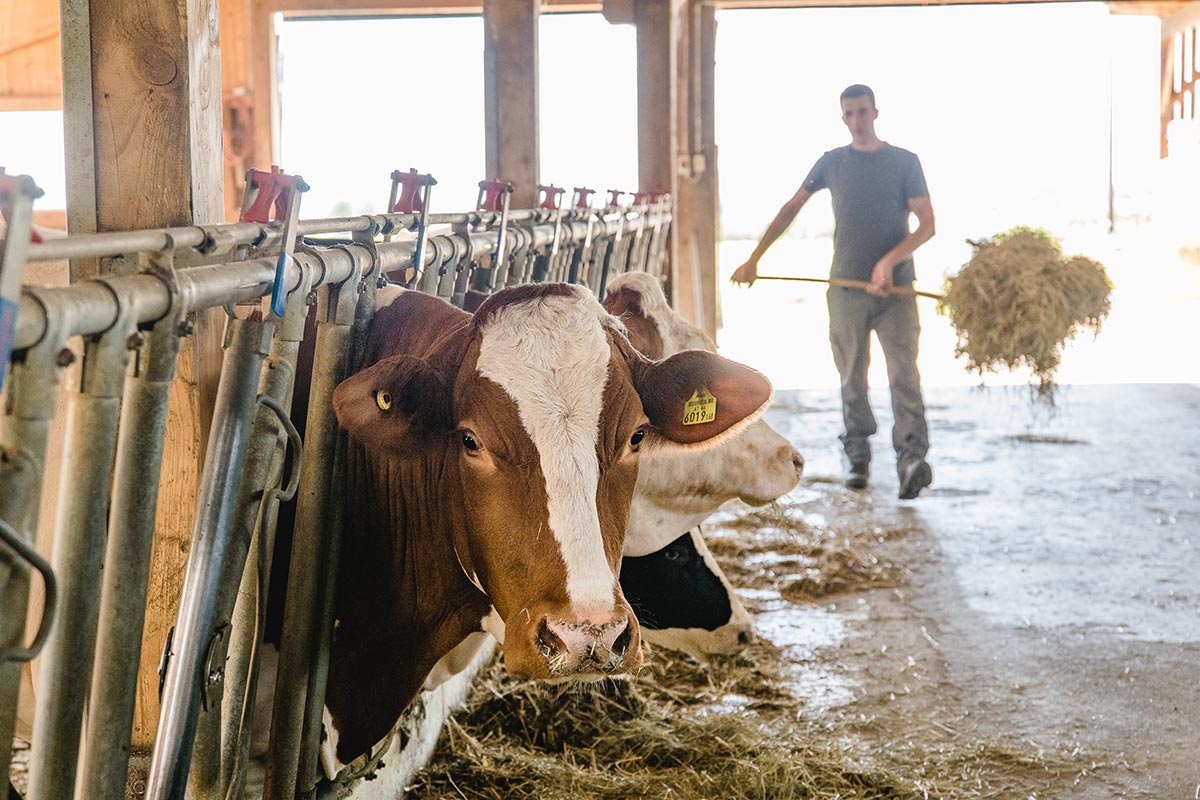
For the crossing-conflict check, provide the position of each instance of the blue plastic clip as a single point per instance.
(8, 330)
(278, 293)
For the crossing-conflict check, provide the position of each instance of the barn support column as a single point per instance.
(142, 89)
(510, 91)
(671, 91)
(656, 53)
(697, 202)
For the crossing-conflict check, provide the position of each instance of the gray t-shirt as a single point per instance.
(870, 206)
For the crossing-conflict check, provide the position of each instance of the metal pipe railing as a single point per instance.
(86, 470)
(316, 501)
(127, 559)
(220, 484)
(24, 431)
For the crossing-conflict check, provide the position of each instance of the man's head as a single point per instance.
(859, 112)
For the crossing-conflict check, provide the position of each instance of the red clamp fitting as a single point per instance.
(583, 197)
(267, 191)
(493, 195)
(551, 197)
(656, 197)
(642, 198)
(614, 195)
(6, 180)
(408, 198)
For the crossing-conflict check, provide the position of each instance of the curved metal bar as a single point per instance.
(22, 548)
(293, 435)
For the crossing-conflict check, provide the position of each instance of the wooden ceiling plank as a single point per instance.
(26, 22)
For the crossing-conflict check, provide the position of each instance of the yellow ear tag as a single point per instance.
(383, 400)
(701, 407)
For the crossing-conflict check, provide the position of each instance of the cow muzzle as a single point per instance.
(576, 646)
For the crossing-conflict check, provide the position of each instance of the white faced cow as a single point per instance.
(681, 596)
(492, 462)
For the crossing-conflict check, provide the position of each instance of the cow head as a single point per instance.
(677, 490)
(532, 416)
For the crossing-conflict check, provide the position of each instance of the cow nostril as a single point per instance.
(798, 461)
(620, 645)
(548, 641)
(745, 637)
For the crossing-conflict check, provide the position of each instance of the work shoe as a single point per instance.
(914, 476)
(857, 477)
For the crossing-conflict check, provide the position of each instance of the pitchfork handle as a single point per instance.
(853, 284)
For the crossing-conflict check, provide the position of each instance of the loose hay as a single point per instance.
(1019, 299)
(802, 561)
(731, 728)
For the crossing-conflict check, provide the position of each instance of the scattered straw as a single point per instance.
(801, 560)
(735, 727)
(1019, 299)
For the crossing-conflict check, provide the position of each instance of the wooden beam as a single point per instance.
(748, 4)
(26, 22)
(414, 7)
(1166, 94)
(31, 77)
(510, 92)
(44, 102)
(143, 142)
(655, 101)
(696, 200)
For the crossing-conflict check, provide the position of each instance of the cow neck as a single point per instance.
(399, 583)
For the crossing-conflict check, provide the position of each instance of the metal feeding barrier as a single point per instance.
(266, 271)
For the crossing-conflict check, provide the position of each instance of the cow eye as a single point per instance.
(637, 437)
(470, 442)
(675, 554)
(383, 400)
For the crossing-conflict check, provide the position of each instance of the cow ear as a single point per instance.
(697, 397)
(396, 405)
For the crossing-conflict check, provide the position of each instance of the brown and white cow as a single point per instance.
(682, 597)
(492, 462)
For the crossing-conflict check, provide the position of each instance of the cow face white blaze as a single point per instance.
(551, 357)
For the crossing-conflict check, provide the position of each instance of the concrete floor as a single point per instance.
(1053, 595)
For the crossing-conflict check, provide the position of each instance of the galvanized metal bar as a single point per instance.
(64, 677)
(217, 745)
(24, 429)
(220, 486)
(127, 559)
(359, 314)
(315, 498)
(91, 308)
(114, 243)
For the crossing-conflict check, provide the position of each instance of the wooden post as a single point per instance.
(696, 195)
(142, 93)
(510, 91)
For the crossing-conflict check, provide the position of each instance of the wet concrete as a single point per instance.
(1050, 597)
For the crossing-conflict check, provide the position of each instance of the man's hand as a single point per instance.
(747, 273)
(881, 279)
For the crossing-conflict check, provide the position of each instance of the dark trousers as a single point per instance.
(853, 314)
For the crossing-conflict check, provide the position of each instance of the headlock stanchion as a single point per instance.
(116, 419)
(29, 402)
(130, 537)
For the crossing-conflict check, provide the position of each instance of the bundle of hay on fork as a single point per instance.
(1019, 299)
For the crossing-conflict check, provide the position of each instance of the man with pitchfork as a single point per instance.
(875, 187)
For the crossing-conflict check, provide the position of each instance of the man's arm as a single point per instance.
(747, 272)
(881, 276)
